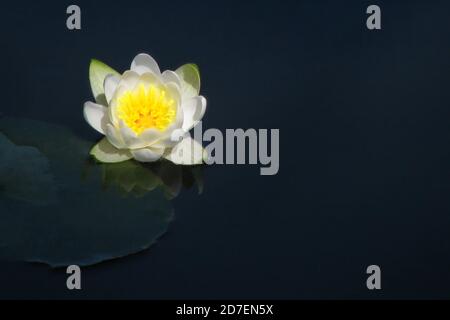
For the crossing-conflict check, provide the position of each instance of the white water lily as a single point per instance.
(142, 112)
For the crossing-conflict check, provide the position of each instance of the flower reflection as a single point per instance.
(132, 178)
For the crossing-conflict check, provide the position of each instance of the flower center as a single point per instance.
(145, 108)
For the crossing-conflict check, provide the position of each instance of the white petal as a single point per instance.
(174, 92)
(186, 152)
(150, 136)
(171, 140)
(129, 80)
(133, 141)
(193, 109)
(147, 154)
(96, 115)
(171, 76)
(114, 137)
(105, 152)
(149, 78)
(110, 85)
(130, 139)
(143, 63)
(113, 104)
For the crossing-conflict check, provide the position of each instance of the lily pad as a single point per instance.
(84, 223)
(25, 174)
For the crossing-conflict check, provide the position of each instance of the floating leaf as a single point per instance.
(88, 223)
(25, 174)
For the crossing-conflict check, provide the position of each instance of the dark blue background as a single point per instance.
(364, 119)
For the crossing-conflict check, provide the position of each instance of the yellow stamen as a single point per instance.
(145, 108)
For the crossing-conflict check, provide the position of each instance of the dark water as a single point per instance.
(364, 178)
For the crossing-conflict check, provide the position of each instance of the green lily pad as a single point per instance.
(25, 174)
(80, 221)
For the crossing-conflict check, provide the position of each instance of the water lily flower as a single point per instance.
(144, 113)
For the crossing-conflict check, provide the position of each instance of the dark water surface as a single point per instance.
(364, 178)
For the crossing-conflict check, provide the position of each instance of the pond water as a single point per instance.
(364, 177)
